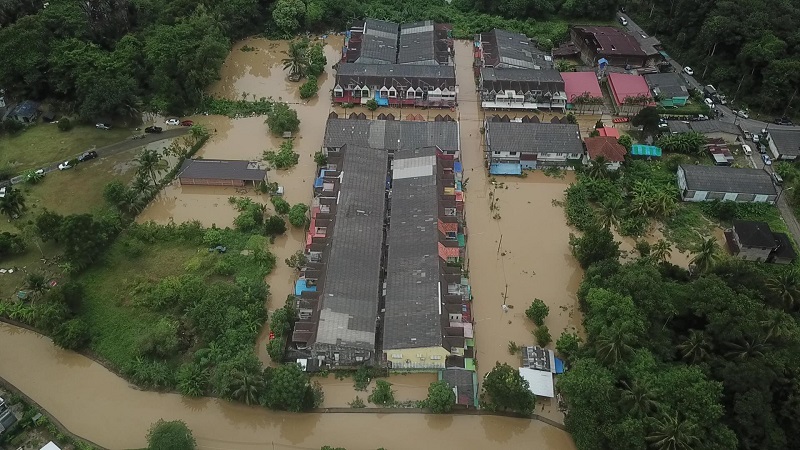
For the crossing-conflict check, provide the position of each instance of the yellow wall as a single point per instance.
(417, 358)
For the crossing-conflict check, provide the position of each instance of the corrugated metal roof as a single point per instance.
(533, 137)
(728, 179)
(222, 169)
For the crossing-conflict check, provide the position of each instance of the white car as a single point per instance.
(2, 192)
(756, 138)
(741, 113)
(688, 70)
(766, 159)
(747, 150)
(102, 126)
(65, 165)
(173, 121)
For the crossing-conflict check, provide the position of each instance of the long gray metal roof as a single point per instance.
(391, 135)
(533, 137)
(413, 307)
(728, 179)
(352, 281)
(396, 71)
(222, 169)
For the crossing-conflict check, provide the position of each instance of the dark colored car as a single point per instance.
(187, 123)
(91, 154)
(783, 121)
(153, 130)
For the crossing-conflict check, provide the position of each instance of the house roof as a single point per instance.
(222, 169)
(503, 48)
(578, 83)
(352, 281)
(533, 137)
(398, 75)
(463, 381)
(605, 146)
(424, 43)
(413, 311)
(785, 249)
(714, 126)
(624, 85)
(521, 80)
(667, 85)
(610, 41)
(391, 134)
(448, 252)
(787, 141)
(754, 234)
(610, 132)
(539, 381)
(677, 126)
(379, 42)
(27, 108)
(728, 179)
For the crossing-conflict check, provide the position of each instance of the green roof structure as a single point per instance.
(645, 150)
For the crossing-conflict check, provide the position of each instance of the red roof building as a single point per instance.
(608, 148)
(609, 132)
(583, 92)
(614, 45)
(632, 87)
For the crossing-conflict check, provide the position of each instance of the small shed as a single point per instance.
(540, 382)
(221, 172)
(649, 151)
(25, 112)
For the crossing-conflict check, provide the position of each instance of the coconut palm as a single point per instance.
(696, 347)
(12, 203)
(296, 61)
(672, 433)
(705, 255)
(614, 348)
(638, 399)
(149, 163)
(245, 387)
(664, 203)
(750, 347)
(786, 288)
(36, 282)
(597, 168)
(610, 212)
(661, 251)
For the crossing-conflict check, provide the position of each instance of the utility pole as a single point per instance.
(737, 89)
(790, 102)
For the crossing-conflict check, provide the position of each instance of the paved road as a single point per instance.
(118, 147)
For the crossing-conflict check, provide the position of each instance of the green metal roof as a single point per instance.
(645, 150)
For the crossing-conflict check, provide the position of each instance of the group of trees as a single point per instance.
(707, 359)
(688, 143)
(285, 157)
(302, 60)
(750, 48)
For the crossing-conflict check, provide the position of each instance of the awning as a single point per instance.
(540, 382)
(645, 150)
(505, 169)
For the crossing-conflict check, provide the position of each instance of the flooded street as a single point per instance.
(85, 392)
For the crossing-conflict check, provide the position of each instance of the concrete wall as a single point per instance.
(754, 253)
(432, 358)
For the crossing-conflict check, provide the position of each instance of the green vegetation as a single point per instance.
(537, 312)
(298, 215)
(542, 335)
(689, 143)
(357, 403)
(281, 206)
(372, 104)
(309, 89)
(174, 435)
(382, 394)
(320, 159)
(285, 157)
(441, 398)
(504, 389)
(282, 119)
(235, 108)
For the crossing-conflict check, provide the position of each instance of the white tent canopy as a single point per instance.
(541, 382)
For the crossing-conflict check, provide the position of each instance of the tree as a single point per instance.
(36, 282)
(597, 168)
(285, 157)
(785, 288)
(613, 347)
(504, 388)
(441, 397)
(626, 141)
(13, 203)
(648, 119)
(371, 104)
(610, 213)
(298, 215)
(320, 159)
(72, 334)
(281, 205)
(246, 387)
(542, 335)
(568, 345)
(297, 261)
(192, 380)
(316, 60)
(696, 347)
(537, 312)
(274, 226)
(382, 394)
(149, 162)
(288, 388)
(288, 14)
(309, 89)
(672, 433)
(173, 435)
(638, 399)
(706, 255)
(296, 60)
(661, 251)
(595, 245)
(282, 119)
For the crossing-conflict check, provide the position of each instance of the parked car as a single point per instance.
(103, 126)
(173, 121)
(688, 70)
(153, 129)
(756, 138)
(778, 179)
(742, 113)
(709, 102)
(39, 172)
(623, 21)
(65, 165)
(187, 123)
(91, 154)
(783, 121)
(766, 159)
(748, 135)
(3, 191)
(747, 150)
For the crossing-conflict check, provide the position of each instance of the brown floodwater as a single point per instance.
(78, 391)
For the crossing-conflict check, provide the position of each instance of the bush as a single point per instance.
(285, 157)
(192, 380)
(282, 119)
(281, 321)
(275, 349)
(309, 89)
(568, 345)
(274, 226)
(297, 261)
(316, 60)
(382, 394)
(64, 124)
(542, 335)
(12, 126)
(372, 104)
(537, 312)
(298, 215)
(320, 159)
(441, 397)
(161, 341)
(281, 205)
(72, 334)
(11, 244)
(173, 435)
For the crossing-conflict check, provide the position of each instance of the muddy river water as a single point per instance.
(520, 256)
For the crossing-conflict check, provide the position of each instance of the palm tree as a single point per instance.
(638, 400)
(705, 255)
(610, 213)
(12, 203)
(696, 347)
(597, 168)
(786, 288)
(748, 348)
(149, 163)
(671, 433)
(664, 203)
(36, 282)
(661, 251)
(613, 349)
(245, 387)
(296, 60)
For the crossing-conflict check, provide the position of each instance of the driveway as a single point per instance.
(118, 147)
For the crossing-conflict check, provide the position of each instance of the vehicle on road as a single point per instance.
(748, 135)
(767, 159)
(153, 129)
(688, 70)
(623, 21)
(756, 138)
(741, 113)
(783, 121)
(709, 102)
(173, 121)
(103, 126)
(65, 165)
(39, 172)
(91, 154)
(187, 123)
(747, 150)
(3, 191)
(778, 179)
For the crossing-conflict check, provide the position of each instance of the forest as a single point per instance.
(749, 48)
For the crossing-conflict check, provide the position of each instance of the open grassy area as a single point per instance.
(688, 226)
(44, 143)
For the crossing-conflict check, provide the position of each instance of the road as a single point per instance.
(115, 148)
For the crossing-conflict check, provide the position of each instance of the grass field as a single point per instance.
(44, 143)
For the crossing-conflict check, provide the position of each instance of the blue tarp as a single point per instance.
(381, 101)
(457, 167)
(320, 179)
(559, 366)
(300, 286)
(505, 169)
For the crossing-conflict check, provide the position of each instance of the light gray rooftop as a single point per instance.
(533, 137)
(728, 179)
(391, 134)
